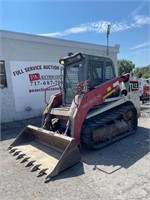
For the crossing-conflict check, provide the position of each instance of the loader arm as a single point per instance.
(54, 101)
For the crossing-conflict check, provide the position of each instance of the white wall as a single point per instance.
(32, 48)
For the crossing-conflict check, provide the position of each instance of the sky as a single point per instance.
(85, 21)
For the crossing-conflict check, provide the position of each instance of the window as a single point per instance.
(3, 81)
(72, 78)
(95, 72)
(109, 71)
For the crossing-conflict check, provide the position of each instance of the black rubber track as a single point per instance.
(102, 120)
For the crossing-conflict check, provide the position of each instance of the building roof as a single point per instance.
(54, 41)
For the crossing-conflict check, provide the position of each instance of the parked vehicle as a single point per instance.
(144, 88)
(94, 108)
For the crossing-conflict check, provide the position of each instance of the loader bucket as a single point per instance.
(45, 151)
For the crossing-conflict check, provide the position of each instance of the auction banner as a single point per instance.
(30, 79)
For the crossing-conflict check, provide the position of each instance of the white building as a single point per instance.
(23, 58)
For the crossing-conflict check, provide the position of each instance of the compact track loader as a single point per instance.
(94, 108)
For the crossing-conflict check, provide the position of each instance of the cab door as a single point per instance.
(73, 74)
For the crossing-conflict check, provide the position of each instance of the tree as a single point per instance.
(143, 72)
(125, 66)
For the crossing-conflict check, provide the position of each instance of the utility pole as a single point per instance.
(108, 33)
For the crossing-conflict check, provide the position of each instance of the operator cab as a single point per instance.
(80, 67)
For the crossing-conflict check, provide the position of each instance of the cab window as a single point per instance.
(95, 72)
(109, 71)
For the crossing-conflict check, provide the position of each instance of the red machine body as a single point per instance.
(91, 99)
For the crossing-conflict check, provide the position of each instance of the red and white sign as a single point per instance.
(29, 80)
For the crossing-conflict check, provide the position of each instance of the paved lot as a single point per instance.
(120, 171)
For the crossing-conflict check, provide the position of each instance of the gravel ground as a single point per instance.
(120, 171)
